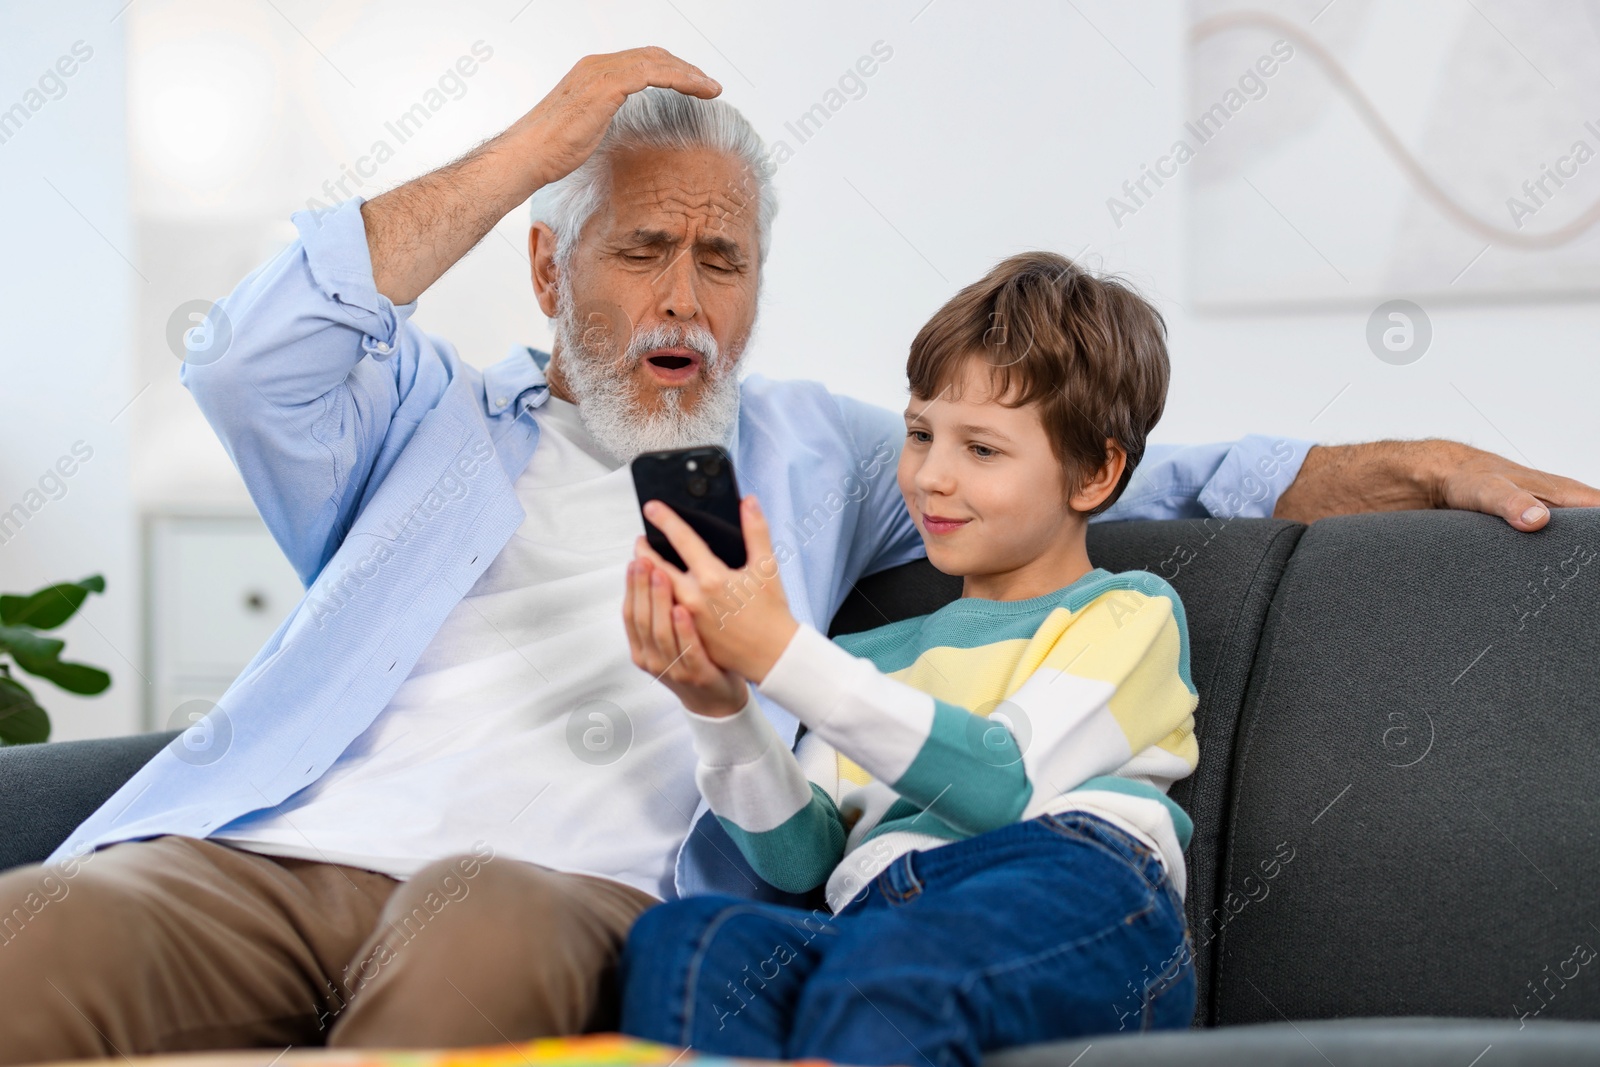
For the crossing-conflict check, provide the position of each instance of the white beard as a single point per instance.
(607, 398)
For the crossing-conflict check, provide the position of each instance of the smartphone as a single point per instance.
(698, 484)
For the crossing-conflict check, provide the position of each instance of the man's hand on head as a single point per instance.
(1401, 475)
(566, 126)
(421, 229)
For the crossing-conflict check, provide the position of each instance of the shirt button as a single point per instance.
(501, 401)
(382, 346)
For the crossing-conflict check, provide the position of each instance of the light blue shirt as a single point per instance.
(383, 465)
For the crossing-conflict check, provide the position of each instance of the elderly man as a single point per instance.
(430, 808)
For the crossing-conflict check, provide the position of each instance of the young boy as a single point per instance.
(981, 791)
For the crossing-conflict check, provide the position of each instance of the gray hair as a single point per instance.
(655, 118)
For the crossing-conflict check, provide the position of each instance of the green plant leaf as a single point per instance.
(14, 696)
(27, 726)
(41, 656)
(27, 647)
(77, 678)
(22, 721)
(48, 607)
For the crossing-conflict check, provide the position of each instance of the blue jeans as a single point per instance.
(1056, 927)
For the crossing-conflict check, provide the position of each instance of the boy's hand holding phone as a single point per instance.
(662, 638)
(739, 617)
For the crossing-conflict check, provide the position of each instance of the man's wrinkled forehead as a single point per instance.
(702, 193)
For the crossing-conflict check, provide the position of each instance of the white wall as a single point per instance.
(991, 129)
(68, 276)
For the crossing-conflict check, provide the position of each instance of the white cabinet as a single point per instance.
(218, 588)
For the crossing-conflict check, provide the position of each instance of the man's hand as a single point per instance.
(1400, 475)
(663, 641)
(740, 616)
(566, 126)
(418, 231)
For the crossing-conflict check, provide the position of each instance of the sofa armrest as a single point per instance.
(47, 790)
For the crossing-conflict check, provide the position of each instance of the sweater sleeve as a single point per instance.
(788, 828)
(1107, 688)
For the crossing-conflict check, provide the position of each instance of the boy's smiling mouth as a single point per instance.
(938, 524)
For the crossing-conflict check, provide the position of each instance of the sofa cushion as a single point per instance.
(47, 790)
(1225, 573)
(1420, 734)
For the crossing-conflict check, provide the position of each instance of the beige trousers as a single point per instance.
(175, 944)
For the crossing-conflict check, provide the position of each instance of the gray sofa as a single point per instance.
(1397, 827)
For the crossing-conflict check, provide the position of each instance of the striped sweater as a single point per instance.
(936, 728)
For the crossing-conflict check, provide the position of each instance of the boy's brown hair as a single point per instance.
(1088, 349)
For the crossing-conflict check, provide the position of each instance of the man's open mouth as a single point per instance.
(674, 365)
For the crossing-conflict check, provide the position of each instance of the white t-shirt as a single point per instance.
(524, 724)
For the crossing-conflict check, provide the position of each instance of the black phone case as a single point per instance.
(698, 484)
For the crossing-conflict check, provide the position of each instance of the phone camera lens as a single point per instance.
(713, 466)
(699, 486)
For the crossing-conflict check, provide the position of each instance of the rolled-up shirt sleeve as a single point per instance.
(1240, 479)
(287, 307)
(336, 250)
(318, 368)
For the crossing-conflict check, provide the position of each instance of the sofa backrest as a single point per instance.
(1418, 768)
(1225, 572)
